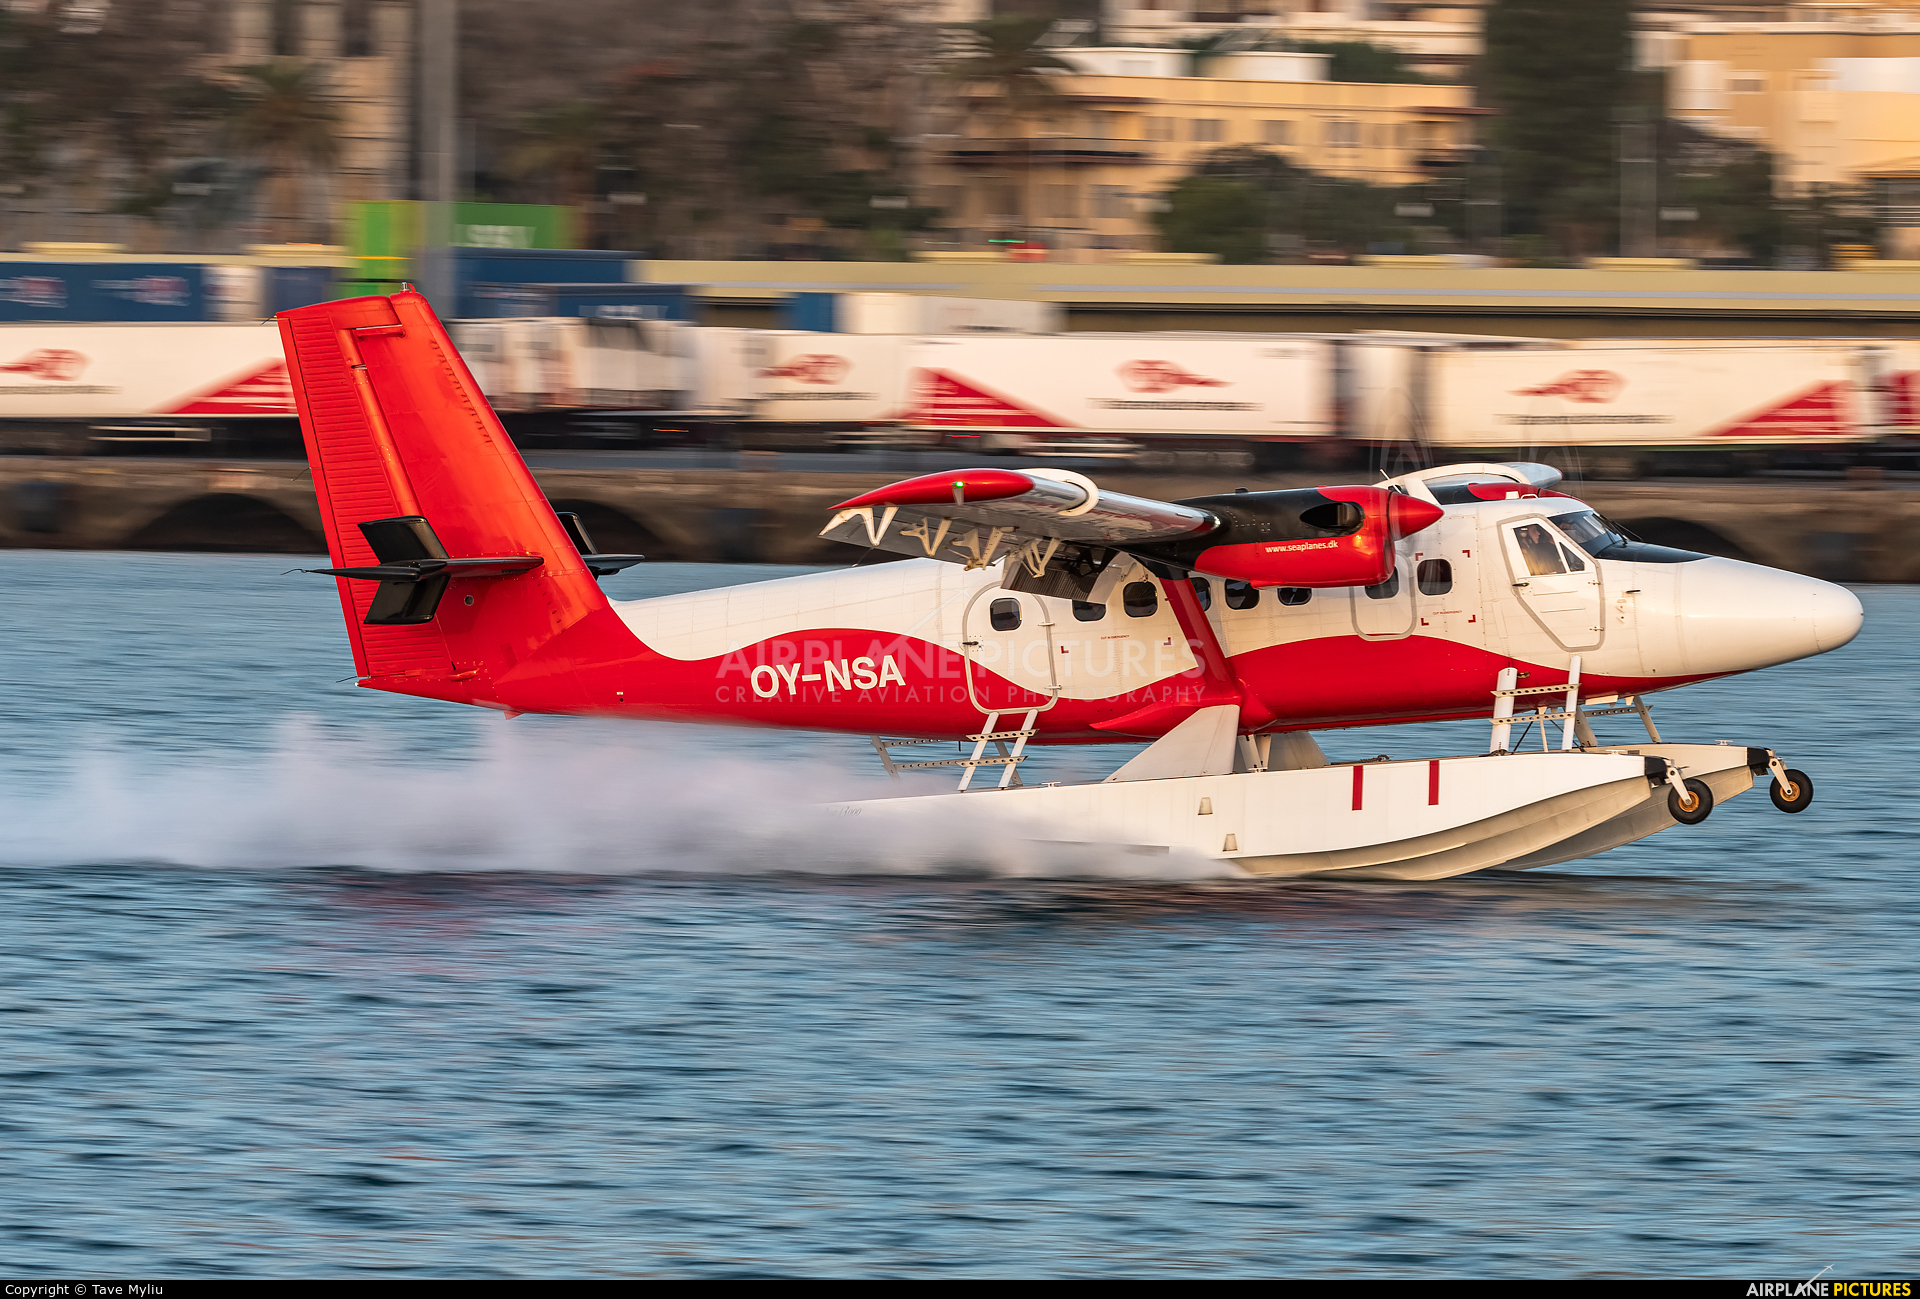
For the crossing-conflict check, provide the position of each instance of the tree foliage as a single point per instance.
(1213, 214)
(750, 125)
(1241, 202)
(1364, 61)
(1556, 75)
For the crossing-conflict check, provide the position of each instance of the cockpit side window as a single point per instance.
(1539, 551)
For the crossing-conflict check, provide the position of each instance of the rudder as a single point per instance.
(397, 432)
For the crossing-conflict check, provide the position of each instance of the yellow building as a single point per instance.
(1088, 177)
(1833, 94)
(1438, 40)
(1834, 100)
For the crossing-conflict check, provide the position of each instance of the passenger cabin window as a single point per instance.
(1385, 590)
(1140, 599)
(1005, 614)
(1295, 594)
(1242, 595)
(1435, 577)
(1089, 612)
(1203, 592)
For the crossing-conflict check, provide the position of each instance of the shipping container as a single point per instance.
(575, 363)
(724, 364)
(613, 300)
(1633, 396)
(467, 269)
(917, 313)
(1128, 385)
(68, 292)
(807, 378)
(205, 373)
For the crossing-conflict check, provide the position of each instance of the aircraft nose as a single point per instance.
(1735, 617)
(1837, 615)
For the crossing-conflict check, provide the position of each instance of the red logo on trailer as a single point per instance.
(1162, 376)
(944, 399)
(265, 391)
(1822, 410)
(1579, 385)
(814, 367)
(54, 364)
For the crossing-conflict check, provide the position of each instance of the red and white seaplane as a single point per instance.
(1040, 608)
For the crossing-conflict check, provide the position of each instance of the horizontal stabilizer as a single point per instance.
(419, 570)
(598, 564)
(414, 570)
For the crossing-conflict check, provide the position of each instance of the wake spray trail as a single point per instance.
(578, 798)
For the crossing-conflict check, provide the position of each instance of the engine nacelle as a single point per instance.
(1316, 537)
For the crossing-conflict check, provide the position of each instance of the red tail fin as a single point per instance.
(397, 431)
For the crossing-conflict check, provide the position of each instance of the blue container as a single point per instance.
(473, 267)
(818, 312)
(297, 286)
(129, 291)
(621, 301)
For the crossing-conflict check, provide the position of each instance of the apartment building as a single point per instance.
(1833, 92)
(1438, 40)
(1132, 121)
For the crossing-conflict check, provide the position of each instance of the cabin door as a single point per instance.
(1385, 612)
(1557, 582)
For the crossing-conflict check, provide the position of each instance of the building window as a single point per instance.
(1208, 130)
(1063, 201)
(1110, 202)
(1747, 83)
(356, 28)
(1343, 134)
(1276, 132)
(1159, 128)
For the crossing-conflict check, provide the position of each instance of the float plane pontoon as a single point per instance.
(1040, 608)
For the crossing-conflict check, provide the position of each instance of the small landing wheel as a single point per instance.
(1794, 796)
(1693, 809)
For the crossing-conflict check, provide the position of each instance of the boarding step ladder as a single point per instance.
(1572, 715)
(1009, 760)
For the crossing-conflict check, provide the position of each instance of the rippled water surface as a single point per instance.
(301, 979)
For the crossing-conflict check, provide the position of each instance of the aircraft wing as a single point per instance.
(1047, 517)
(1059, 532)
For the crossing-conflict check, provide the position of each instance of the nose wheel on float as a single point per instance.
(1791, 790)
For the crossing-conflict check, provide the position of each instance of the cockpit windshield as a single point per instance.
(1603, 540)
(1590, 532)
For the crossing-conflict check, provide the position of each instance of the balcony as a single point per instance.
(1056, 150)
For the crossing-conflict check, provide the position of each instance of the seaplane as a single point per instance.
(1036, 607)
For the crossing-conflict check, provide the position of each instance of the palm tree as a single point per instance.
(1005, 55)
(285, 116)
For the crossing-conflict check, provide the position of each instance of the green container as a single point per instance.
(384, 235)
